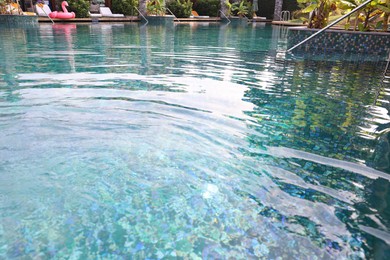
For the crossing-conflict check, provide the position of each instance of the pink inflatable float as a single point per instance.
(63, 15)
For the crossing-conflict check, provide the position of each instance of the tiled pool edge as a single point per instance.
(18, 20)
(338, 41)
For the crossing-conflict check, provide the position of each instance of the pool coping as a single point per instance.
(137, 19)
(339, 30)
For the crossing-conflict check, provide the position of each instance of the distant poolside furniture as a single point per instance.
(29, 13)
(194, 14)
(259, 18)
(95, 15)
(42, 10)
(94, 10)
(106, 12)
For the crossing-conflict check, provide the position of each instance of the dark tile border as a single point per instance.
(18, 20)
(339, 41)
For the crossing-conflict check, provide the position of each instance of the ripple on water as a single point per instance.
(148, 143)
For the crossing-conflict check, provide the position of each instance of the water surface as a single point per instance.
(193, 141)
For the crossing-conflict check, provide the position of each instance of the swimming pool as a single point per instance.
(198, 141)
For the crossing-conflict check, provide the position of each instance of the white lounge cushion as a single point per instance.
(106, 12)
(42, 11)
(200, 16)
(95, 15)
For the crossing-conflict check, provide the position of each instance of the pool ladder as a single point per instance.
(142, 15)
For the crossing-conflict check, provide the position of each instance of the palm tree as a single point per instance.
(278, 9)
(142, 6)
(224, 8)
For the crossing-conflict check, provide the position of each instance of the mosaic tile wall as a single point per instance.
(18, 21)
(334, 41)
(158, 20)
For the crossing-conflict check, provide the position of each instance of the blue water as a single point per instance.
(198, 141)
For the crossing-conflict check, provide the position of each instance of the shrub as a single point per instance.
(207, 7)
(125, 7)
(181, 8)
(155, 7)
(79, 7)
(241, 8)
(3, 4)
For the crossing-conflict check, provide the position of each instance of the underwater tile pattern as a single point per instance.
(333, 41)
(198, 141)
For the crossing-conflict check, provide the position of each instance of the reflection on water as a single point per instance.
(191, 141)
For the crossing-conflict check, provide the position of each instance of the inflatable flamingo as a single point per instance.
(63, 15)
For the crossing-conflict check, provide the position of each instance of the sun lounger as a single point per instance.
(106, 12)
(194, 14)
(95, 15)
(94, 10)
(42, 10)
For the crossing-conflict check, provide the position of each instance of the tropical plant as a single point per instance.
(384, 6)
(181, 8)
(319, 11)
(126, 7)
(240, 8)
(155, 7)
(251, 12)
(364, 20)
(3, 6)
(368, 15)
(207, 7)
(229, 8)
(79, 7)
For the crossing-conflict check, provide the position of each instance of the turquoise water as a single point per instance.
(198, 141)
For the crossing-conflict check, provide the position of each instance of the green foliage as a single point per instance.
(229, 8)
(367, 17)
(364, 20)
(79, 7)
(125, 7)
(207, 7)
(181, 8)
(241, 9)
(250, 12)
(155, 7)
(3, 4)
(319, 10)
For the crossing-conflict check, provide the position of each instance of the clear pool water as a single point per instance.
(198, 141)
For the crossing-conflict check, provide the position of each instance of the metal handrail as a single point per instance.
(225, 16)
(172, 14)
(142, 15)
(41, 6)
(285, 15)
(330, 25)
